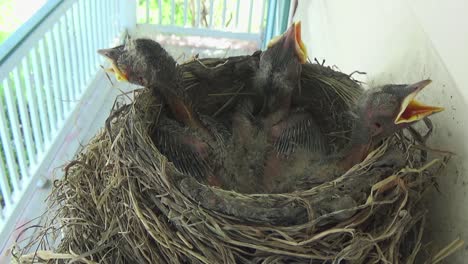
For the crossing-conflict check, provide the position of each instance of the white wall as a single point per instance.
(406, 41)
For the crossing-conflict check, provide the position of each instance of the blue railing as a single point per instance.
(253, 20)
(45, 69)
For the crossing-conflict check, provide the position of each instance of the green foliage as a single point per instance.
(7, 19)
(166, 12)
(4, 35)
(192, 9)
(8, 22)
(13, 14)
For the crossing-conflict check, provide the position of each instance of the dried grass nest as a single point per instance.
(121, 201)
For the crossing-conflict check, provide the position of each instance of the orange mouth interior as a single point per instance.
(299, 46)
(301, 49)
(412, 110)
(119, 75)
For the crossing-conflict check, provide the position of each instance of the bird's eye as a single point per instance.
(376, 129)
(141, 80)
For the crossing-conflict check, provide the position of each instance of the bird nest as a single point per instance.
(122, 201)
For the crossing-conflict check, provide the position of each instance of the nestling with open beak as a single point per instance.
(279, 73)
(380, 112)
(254, 126)
(278, 76)
(383, 111)
(287, 129)
(144, 62)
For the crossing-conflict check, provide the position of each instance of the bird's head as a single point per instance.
(384, 110)
(141, 61)
(280, 65)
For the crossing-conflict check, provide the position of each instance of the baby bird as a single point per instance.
(188, 143)
(380, 112)
(258, 133)
(279, 74)
(145, 62)
(277, 79)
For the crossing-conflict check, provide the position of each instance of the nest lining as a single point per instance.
(121, 201)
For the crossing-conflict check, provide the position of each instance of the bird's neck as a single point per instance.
(358, 147)
(172, 90)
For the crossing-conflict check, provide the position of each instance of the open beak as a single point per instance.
(112, 55)
(293, 35)
(300, 46)
(412, 110)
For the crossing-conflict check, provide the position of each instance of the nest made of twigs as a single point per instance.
(121, 201)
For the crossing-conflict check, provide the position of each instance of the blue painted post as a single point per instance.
(269, 23)
(277, 19)
(283, 16)
(128, 16)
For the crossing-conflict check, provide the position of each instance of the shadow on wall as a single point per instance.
(386, 40)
